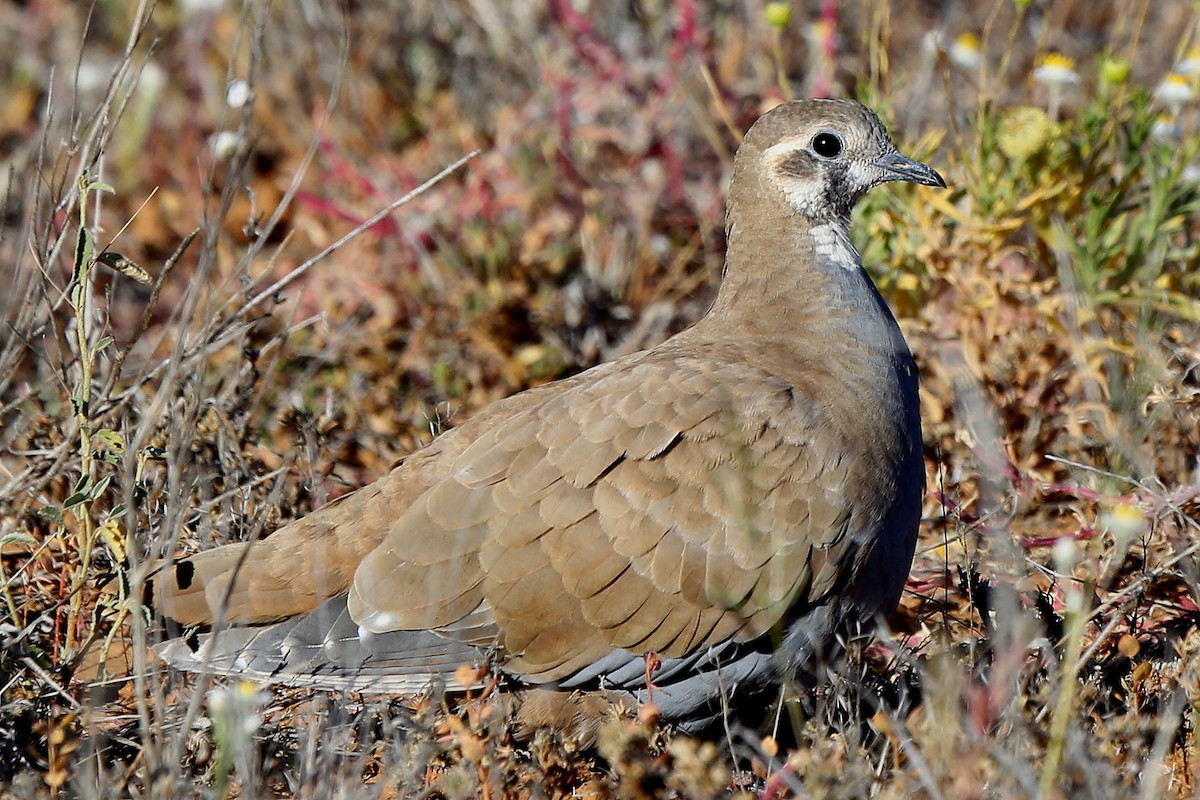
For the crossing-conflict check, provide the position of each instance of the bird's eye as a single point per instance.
(827, 145)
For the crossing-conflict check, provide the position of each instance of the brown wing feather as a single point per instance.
(312, 559)
(664, 502)
(653, 505)
(289, 573)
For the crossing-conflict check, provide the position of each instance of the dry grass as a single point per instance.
(1047, 644)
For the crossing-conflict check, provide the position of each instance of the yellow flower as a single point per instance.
(1166, 129)
(1190, 65)
(1055, 70)
(1174, 91)
(965, 51)
(1123, 520)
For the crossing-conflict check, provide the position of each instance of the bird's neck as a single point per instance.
(789, 279)
(802, 307)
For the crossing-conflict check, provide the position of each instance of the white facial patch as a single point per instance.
(862, 175)
(804, 196)
(781, 150)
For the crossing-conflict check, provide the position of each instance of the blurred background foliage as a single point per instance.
(1050, 296)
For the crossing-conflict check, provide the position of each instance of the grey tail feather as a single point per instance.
(323, 650)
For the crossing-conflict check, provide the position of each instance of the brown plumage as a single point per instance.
(729, 500)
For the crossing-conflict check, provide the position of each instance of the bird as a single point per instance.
(695, 523)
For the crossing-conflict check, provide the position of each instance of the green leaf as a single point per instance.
(85, 246)
(51, 512)
(79, 404)
(81, 493)
(18, 537)
(109, 440)
(74, 500)
(100, 488)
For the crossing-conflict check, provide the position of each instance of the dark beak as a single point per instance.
(897, 167)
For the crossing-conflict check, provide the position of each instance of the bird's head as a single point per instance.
(818, 157)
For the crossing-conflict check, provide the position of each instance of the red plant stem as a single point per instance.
(685, 34)
(385, 227)
(824, 80)
(590, 47)
(775, 786)
(562, 115)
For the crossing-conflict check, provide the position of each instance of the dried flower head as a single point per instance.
(225, 144)
(1024, 132)
(234, 710)
(238, 93)
(152, 80)
(931, 43)
(194, 7)
(1065, 554)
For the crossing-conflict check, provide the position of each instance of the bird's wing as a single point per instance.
(665, 503)
(311, 560)
(300, 566)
